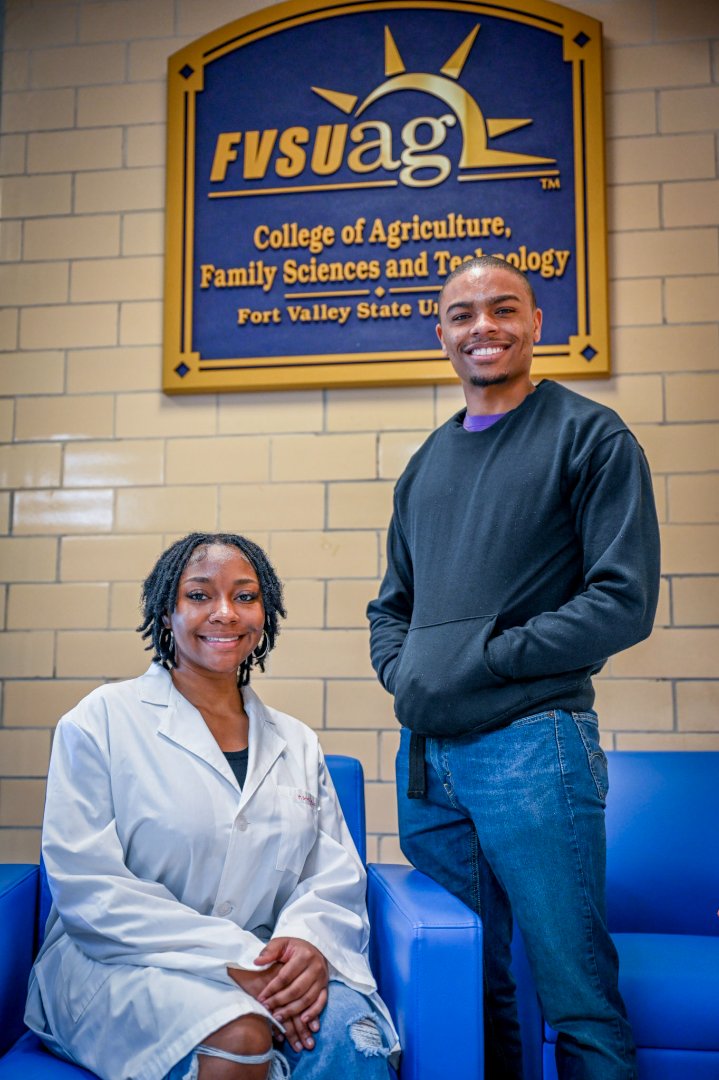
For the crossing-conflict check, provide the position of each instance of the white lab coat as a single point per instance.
(164, 874)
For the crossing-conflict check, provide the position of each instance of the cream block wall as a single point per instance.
(99, 470)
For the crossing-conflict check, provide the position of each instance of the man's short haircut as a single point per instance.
(489, 262)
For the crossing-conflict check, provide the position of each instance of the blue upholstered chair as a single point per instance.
(426, 954)
(662, 896)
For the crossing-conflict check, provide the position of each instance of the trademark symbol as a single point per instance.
(550, 183)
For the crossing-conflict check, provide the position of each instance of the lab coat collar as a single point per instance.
(266, 745)
(183, 724)
(155, 686)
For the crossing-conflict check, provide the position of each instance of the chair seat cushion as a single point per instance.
(670, 984)
(29, 1059)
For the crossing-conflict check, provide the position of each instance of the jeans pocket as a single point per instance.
(587, 725)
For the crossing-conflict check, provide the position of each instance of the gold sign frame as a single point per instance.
(187, 369)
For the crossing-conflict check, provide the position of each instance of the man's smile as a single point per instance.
(485, 350)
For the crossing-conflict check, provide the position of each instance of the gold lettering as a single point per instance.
(225, 152)
(447, 262)
(408, 267)
(256, 274)
(453, 227)
(328, 149)
(314, 272)
(394, 310)
(258, 150)
(377, 234)
(291, 141)
(415, 156)
(318, 313)
(382, 144)
(289, 235)
(549, 264)
(258, 317)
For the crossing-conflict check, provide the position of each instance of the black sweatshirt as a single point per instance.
(519, 559)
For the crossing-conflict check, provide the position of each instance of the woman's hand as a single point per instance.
(298, 1033)
(253, 982)
(293, 988)
(296, 993)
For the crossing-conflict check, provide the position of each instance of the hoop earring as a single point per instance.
(167, 644)
(262, 649)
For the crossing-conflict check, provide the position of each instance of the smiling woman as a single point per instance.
(192, 838)
(211, 626)
(189, 580)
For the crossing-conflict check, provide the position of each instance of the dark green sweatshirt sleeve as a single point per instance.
(390, 614)
(616, 522)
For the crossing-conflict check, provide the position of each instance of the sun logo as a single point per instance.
(371, 146)
(476, 129)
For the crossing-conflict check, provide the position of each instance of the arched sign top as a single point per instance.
(330, 164)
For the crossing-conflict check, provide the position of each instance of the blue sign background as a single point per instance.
(513, 70)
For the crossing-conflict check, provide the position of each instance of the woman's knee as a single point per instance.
(247, 1036)
(250, 1034)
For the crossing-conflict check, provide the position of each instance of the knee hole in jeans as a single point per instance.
(367, 1037)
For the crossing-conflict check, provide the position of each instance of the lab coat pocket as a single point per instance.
(298, 827)
(82, 978)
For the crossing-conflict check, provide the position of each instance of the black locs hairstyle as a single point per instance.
(159, 596)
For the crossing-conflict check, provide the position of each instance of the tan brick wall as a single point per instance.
(99, 470)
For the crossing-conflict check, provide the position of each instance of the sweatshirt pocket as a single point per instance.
(443, 683)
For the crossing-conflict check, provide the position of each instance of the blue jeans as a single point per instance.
(352, 1043)
(513, 823)
(346, 1047)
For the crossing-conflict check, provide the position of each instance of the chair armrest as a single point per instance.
(18, 918)
(426, 954)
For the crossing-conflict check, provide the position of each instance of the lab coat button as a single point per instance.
(224, 909)
(242, 824)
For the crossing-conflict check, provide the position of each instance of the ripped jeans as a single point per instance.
(352, 1043)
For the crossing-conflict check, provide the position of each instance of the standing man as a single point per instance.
(522, 552)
